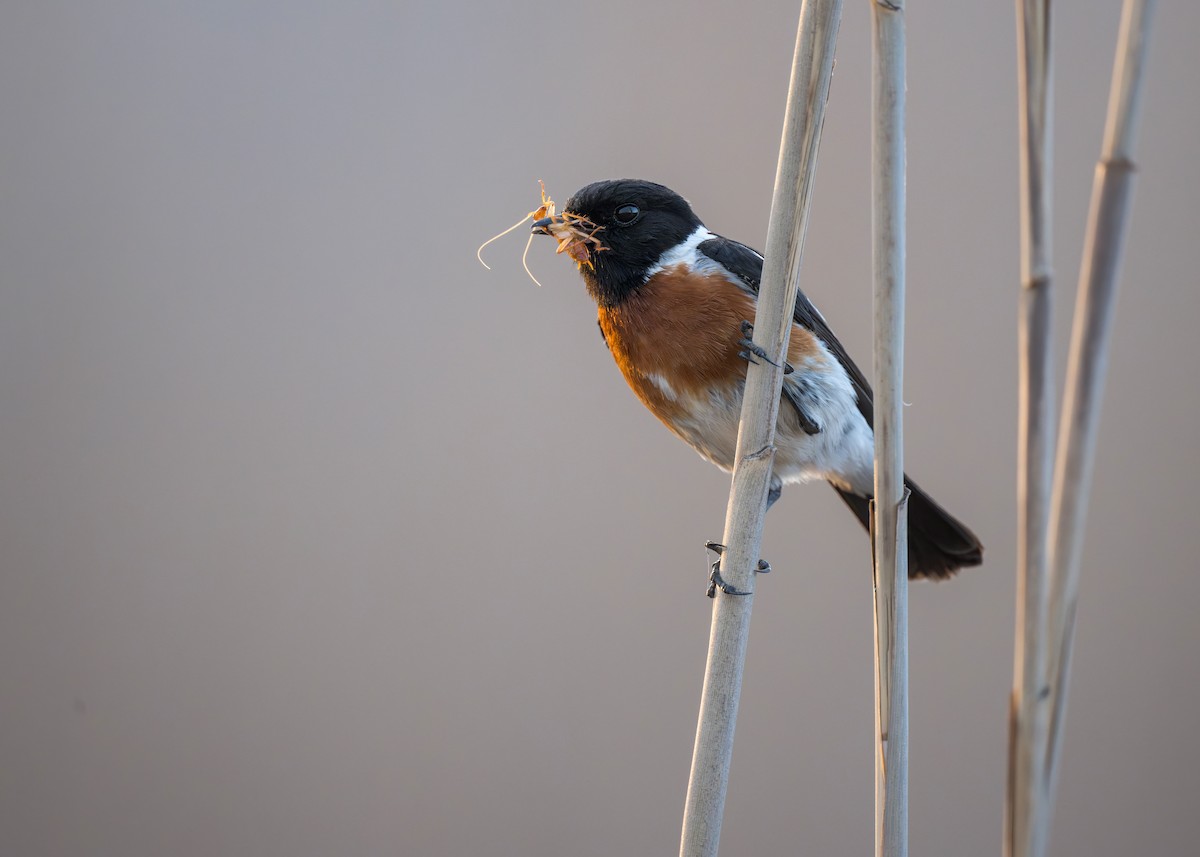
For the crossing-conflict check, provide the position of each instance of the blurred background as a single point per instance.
(318, 538)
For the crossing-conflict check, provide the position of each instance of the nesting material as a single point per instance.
(576, 235)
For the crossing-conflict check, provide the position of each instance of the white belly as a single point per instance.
(842, 452)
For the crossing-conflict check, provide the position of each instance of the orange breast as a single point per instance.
(677, 337)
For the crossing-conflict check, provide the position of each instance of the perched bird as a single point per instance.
(675, 303)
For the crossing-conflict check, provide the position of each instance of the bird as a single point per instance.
(674, 306)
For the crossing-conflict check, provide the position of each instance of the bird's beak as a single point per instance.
(546, 225)
(576, 236)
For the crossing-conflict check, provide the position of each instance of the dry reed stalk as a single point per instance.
(889, 508)
(1025, 818)
(812, 66)
(1087, 363)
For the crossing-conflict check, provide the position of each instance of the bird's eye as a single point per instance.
(626, 214)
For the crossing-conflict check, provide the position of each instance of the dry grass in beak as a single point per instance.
(546, 209)
(577, 238)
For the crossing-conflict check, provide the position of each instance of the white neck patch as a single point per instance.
(683, 253)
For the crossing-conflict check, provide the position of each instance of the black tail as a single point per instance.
(938, 544)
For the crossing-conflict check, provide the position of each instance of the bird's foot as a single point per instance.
(715, 581)
(750, 350)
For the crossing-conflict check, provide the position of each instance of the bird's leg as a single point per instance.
(750, 350)
(792, 393)
(775, 491)
(715, 581)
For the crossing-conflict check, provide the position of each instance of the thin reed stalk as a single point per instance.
(812, 66)
(1088, 360)
(1025, 817)
(890, 506)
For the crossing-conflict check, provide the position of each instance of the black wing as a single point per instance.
(746, 264)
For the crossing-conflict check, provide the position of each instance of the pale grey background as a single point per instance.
(318, 538)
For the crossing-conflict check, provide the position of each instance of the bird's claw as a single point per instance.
(750, 350)
(715, 581)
